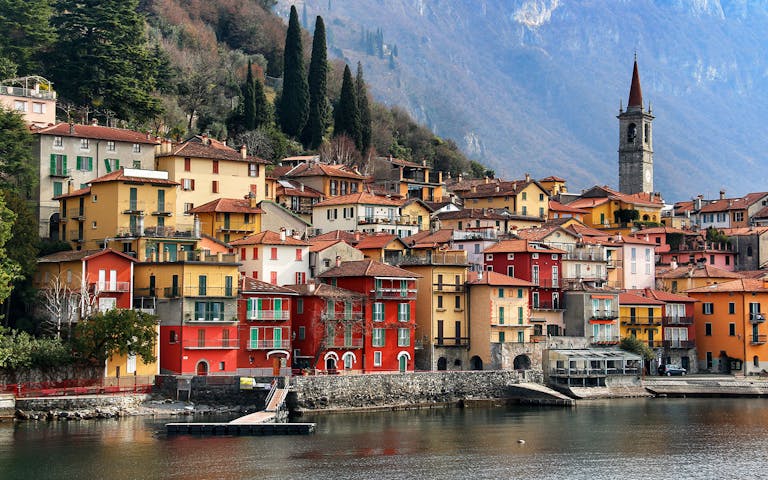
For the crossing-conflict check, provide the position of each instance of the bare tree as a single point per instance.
(64, 305)
(340, 150)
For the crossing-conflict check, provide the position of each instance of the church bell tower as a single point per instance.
(635, 142)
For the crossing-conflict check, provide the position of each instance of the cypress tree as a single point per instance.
(262, 112)
(347, 118)
(364, 110)
(318, 79)
(249, 101)
(294, 101)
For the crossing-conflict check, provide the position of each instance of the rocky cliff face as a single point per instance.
(535, 85)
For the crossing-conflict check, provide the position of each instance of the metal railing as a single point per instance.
(75, 236)
(60, 172)
(343, 343)
(451, 341)
(549, 306)
(447, 288)
(676, 320)
(76, 213)
(546, 282)
(100, 287)
(209, 291)
(438, 258)
(212, 344)
(758, 339)
(268, 344)
(604, 315)
(641, 320)
(756, 317)
(586, 256)
(268, 315)
(394, 293)
(132, 206)
(342, 316)
(176, 231)
(573, 372)
(686, 344)
(237, 227)
(604, 340)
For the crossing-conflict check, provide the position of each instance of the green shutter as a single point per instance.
(53, 163)
(57, 189)
(90, 164)
(117, 164)
(79, 162)
(107, 166)
(254, 338)
(64, 164)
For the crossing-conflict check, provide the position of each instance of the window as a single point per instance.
(38, 107)
(378, 312)
(273, 278)
(273, 253)
(58, 142)
(173, 337)
(187, 164)
(215, 166)
(202, 285)
(501, 315)
(520, 337)
(519, 315)
(707, 308)
(501, 293)
(254, 253)
(403, 337)
(84, 144)
(215, 186)
(187, 183)
(209, 311)
(501, 337)
(110, 146)
(137, 164)
(554, 256)
(20, 106)
(302, 333)
(376, 359)
(488, 257)
(519, 293)
(535, 256)
(253, 169)
(525, 195)
(300, 305)
(301, 278)
(732, 329)
(731, 308)
(709, 360)
(378, 338)
(511, 270)
(708, 329)
(57, 188)
(711, 259)
(136, 148)
(188, 207)
(404, 312)
(457, 302)
(298, 254)
(510, 256)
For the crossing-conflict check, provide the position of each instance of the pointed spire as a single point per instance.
(635, 92)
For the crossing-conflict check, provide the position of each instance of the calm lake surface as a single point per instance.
(636, 438)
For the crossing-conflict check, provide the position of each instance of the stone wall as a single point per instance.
(215, 390)
(404, 390)
(79, 402)
(52, 375)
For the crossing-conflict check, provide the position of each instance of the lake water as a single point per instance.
(636, 438)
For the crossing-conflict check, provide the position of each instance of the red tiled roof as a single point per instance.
(514, 246)
(228, 205)
(696, 271)
(500, 188)
(350, 238)
(120, 176)
(740, 285)
(268, 237)
(626, 298)
(429, 239)
(200, 147)
(667, 296)
(556, 206)
(401, 162)
(501, 280)
(72, 255)
(742, 203)
(540, 233)
(316, 245)
(363, 198)
(657, 230)
(74, 193)
(552, 178)
(252, 285)
(477, 213)
(641, 198)
(324, 170)
(635, 92)
(367, 268)
(324, 290)
(296, 191)
(97, 132)
(377, 241)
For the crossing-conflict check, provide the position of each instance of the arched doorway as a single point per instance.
(202, 368)
(330, 364)
(442, 363)
(402, 361)
(475, 363)
(53, 227)
(522, 362)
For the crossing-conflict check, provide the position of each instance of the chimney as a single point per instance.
(251, 200)
(485, 180)
(338, 261)
(95, 122)
(474, 188)
(301, 187)
(196, 227)
(424, 163)
(244, 151)
(69, 185)
(71, 128)
(673, 264)
(480, 275)
(357, 236)
(282, 234)
(311, 287)
(498, 188)
(722, 194)
(527, 177)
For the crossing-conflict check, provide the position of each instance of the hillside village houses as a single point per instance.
(309, 267)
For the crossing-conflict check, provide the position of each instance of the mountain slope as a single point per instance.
(535, 85)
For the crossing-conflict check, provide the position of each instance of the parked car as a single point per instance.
(671, 369)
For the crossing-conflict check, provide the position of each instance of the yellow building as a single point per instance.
(442, 322)
(129, 210)
(691, 276)
(417, 212)
(641, 317)
(383, 247)
(329, 180)
(613, 211)
(499, 314)
(554, 185)
(486, 219)
(206, 168)
(407, 179)
(229, 219)
(526, 198)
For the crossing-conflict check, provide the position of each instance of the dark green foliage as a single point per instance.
(674, 240)
(20, 350)
(249, 100)
(347, 116)
(294, 101)
(26, 33)
(16, 166)
(364, 110)
(116, 332)
(716, 236)
(633, 345)
(624, 216)
(312, 136)
(478, 170)
(101, 58)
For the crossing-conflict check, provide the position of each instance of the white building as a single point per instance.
(273, 257)
(363, 212)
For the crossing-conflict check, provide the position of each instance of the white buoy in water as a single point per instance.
(521, 441)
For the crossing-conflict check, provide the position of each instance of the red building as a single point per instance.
(538, 264)
(264, 313)
(389, 318)
(329, 325)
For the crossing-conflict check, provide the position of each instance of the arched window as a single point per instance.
(756, 361)
(647, 133)
(631, 133)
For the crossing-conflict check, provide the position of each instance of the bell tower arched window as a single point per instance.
(631, 133)
(647, 133)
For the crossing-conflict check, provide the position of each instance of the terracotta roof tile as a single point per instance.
(696, 271)
(378, 241)
(134, 175)
(324, 290)
(501, 280)
(227, 205)
(252, 285)
(74, 193)
(555, 206)
(324, 170)
(367, 268)
(740, 285)
(350, 238)
(626, 298)
(362, 198)
(316, 245)
(98, 132)
(199, 147)
(268, 237)
(513, 246)
(71, 255)
(667, 296)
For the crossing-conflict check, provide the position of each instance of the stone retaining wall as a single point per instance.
(214, 390)
(404, 389)
(52, 375)
(80, 402)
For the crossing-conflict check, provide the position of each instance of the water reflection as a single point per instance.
(662, 438)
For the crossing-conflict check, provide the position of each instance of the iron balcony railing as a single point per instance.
(342, 316)
(641, 320)
(585, 256)
(212, 344)
(451, 341)
(684, 344)
(756, 317)
(268, 344)
(61, 172)
(431, 258)
(549, 306)
(343, 343)
(76, 236)
(447, 288)
(76, 213)
(394, 293)
(677, 320)
(604, 340)
(604, 315)
(208, 291)
(110, 287)
(758, 339)
(268, 315)
(593, 372)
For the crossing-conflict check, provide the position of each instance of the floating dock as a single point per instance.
(244, 429)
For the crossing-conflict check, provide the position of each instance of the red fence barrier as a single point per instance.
(76, 387)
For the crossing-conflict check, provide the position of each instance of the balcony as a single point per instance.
(655, 343)
(546, 283)
(554, 306)
(394, 294)
(132, 207)
(604, 340)
(162, 211)
(677, 320)
(683, 344)
(40, 90)
(237, 228)
(373, 220)
(75, 213)
(344, 343)
(177, 231)
(209, 291)
(656, 321)
(758, 339)
(269, 344)
(604, 315)
(278, 315)
(437, 258)
(613, 263)
(212, 344)
(61, 172)
(342, 316)
(475, 234)
(76, 236)
(755, 318)
(447, 288)
(109, 287)
(451, 341)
